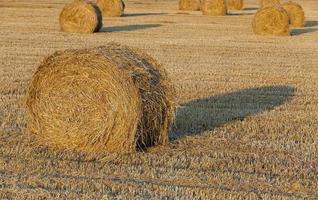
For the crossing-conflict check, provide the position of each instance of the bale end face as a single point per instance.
(214, 7)
(271, 20)
(235, 4)
(111, 8)
(106, 99)
(80, 17)
(190, 5)
(295, 13)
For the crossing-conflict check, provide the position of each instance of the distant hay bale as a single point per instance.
(296, 14)
(235, 4)
(269, 2)
(111, 8)
(81, 17)
(271, 20)
(191, 5)
(214, 7)
(107, 99)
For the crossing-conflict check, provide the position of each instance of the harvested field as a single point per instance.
(246, 124)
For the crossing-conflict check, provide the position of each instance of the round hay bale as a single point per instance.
(235, 4)
(81, 17)
(269, 3)
(271, 20)
(191, 5)
(296, 14)
(111, 8)
(214, 7)
(107, 99)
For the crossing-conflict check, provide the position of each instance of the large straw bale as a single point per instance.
(271, 20)
(235, 4)
(214, 7)
(81, 17)
(269, 2)
(111, 8)
(296, 14)
(191, 5)
(107, 99)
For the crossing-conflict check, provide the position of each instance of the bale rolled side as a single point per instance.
(265, 3)
(80, 17)
(107, 99)
(191, 5)
(295, 13)
(214, 7)
(111, 8)
(235, 4)
(271, 20)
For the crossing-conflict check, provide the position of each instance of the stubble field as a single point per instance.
(247, 120)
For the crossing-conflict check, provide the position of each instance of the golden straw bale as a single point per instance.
(81, 17)
(111, 8)
(214, 7)
(269, 2)
(111, 98)
(235, 4)
(271, 20)
(296, 14)
(191, 5)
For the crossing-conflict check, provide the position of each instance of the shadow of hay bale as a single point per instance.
(129, 27)
(183, 13)
(238, 14)
(250, 8)
(142, 14)
(205, 114)
(302, 31)
(311, 23)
